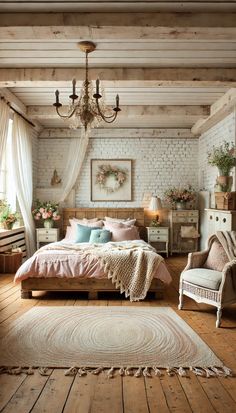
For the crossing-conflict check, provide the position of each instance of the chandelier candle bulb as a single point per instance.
(117, 101)
(74, 84)
(57, 96)
(97, 86)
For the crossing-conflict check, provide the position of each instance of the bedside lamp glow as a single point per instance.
(155, 205)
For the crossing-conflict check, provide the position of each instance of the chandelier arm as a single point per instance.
(66, 116)
(113, 117)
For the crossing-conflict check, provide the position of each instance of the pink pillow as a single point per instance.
(121, 221)
(217, 257)
(122, 232)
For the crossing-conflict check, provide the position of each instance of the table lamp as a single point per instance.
(155, 205)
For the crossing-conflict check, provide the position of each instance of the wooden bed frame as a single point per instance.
(90, 285)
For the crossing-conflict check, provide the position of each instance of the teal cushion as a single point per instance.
(83, 233)
(100, 236)
(203, 277)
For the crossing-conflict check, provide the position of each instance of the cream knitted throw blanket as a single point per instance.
(130, 266)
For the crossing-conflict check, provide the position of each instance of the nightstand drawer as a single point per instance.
(158, 238)
(50, 231)
(47, 238)
(158, 231)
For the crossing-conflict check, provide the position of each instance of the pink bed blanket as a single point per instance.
(56, 262)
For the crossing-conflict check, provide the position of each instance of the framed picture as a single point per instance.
(111, 179)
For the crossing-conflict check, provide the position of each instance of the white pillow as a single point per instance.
(124, 221)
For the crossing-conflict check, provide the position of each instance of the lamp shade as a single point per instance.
(155, 204)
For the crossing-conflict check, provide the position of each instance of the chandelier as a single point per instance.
(88, 109)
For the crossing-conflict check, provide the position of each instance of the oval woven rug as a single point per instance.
(103, 337)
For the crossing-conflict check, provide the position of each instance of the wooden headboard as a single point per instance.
(80, 213)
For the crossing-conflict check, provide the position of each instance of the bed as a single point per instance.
(89, 283)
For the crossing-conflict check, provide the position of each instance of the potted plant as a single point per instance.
(7, 217)
(47, 211)
(178, 197)
(224, 158)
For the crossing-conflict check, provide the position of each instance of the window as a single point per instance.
(7, 188)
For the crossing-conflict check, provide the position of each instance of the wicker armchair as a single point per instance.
(204, 285)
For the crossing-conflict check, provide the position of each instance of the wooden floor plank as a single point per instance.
(55, 392)
(81, 395)
(27, 394)
(216, 393)
(134, 394)
(196, 396)
(108, 395)
(156, 399)
(8, 386)
(175, 397)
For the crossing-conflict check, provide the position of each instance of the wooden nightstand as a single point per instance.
(159, 236)
(45, 236)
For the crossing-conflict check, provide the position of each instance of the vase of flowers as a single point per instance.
(224, 158)
(179, 197)
(46, 211)
(7, 217)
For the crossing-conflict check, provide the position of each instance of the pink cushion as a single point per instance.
(122, 232)
(121, 221)
(217, 257)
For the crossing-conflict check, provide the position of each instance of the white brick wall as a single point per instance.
(157, 165)
(224, 130)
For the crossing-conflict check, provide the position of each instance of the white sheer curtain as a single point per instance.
(76, 155)
(22, 176)
(4, 122)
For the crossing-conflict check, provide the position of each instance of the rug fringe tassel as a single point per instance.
(146, 372)
(122, 371)
(43, 371)
(139, 372)
(128, 371)
(110, 373)
(98, 370)
(72, 371)
(82, 372)
(157, 372)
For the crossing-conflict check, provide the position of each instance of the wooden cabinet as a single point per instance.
(45, 236)
(159, 236)
(220, 220)
(179, 220)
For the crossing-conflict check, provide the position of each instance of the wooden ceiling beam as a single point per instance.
(219, 110)
(120, 133)
(95, 26)
(122, 77)
(49, 112)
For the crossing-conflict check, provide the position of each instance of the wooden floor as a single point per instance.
(97, 394)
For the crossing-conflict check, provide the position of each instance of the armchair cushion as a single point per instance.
(203, 277)
(217, 257)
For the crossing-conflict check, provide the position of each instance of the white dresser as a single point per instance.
(220, 220)
(46, 235)
(159, 236)
(183, 218)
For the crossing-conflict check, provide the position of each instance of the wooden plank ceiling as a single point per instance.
(150, 53)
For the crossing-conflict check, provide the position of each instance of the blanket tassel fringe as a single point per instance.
(207, 372)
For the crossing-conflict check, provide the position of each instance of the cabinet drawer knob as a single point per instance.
(224, 220)
(46, 237)
(217, 218)
(211, 217)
